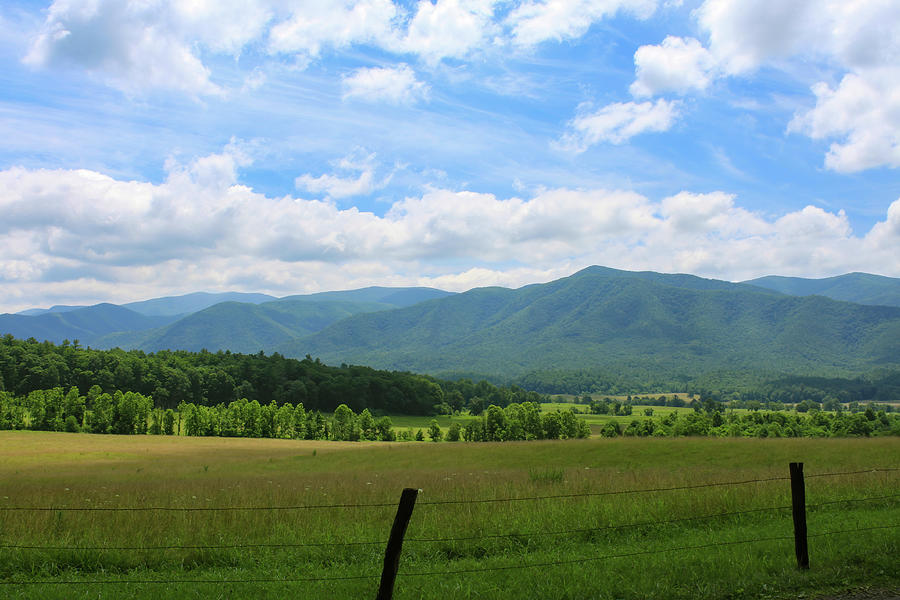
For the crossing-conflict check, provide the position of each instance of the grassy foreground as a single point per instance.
(573, 538)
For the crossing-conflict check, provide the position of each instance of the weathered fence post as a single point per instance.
(395, 544)
(798, 503)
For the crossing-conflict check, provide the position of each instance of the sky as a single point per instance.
(161, 147)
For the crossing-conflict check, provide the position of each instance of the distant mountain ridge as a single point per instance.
(601, 317)
(239, 327)
(168, 305)
(639, 322)
(84, 324)
(258, 323)
(861, 288)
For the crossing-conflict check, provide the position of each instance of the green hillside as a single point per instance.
(84, 324)
(241, 327)
(861, 288)
(624, 321)
(228, 321)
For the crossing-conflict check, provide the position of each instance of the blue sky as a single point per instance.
(287, 146)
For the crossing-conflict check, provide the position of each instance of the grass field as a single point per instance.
(574, 538)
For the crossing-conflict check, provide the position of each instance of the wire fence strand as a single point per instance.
(444, 539)
(442, 573)
(422, 503)
(637, 553)
(862, 472)
(183, 581)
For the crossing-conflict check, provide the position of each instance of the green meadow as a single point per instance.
(571, 534)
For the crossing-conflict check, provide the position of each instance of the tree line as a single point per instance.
(760, 424)
(134, 413)
(209, 379)
(97, 412)
(882, 385)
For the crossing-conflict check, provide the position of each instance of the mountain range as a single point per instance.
(618, 320)
(861, 288)
(596, 318)
(210, 321)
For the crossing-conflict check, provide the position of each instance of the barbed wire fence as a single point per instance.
(408, 501)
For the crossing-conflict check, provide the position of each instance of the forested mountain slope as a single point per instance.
(861, 288)
(83, 324)
(241, 327)
(607, 318)
(205, 321)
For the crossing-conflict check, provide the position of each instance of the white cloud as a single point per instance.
(225, 26)
(688, 213)
(337, 187)
(885, 236)
(396, 85)
(550, 226)
(856, 40)
(484, 277)
(81, 236)
(538, 21)
(677, 65)
(863, 112)
(255, 80)
(745, 33)
(618, 122)
(140, 46)
(171, 44)
(313, 25)
(448, 28)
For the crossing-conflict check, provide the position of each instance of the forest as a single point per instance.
(64, 387)
(208, 379)
(134, 413)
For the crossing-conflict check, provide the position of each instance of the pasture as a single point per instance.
(571, 519)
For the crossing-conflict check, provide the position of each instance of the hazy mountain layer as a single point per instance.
(84, 324)
(861, 288)
(239, 327)
(228, 321)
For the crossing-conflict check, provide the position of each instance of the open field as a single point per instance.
(574, 537)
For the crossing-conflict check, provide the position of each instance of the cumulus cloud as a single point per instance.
(335, 186)
(856, 40)
(448, 28)
(140, 46)
(745, 33)
(534, 22)
(313, 25)
(863, 112)
(689, 213)
(170, 44)
(677, 65)
(397, 85)
(81, 236)
(143, 46)
(618, 122)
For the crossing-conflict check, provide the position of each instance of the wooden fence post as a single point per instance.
(798, 503)
(395, 544)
